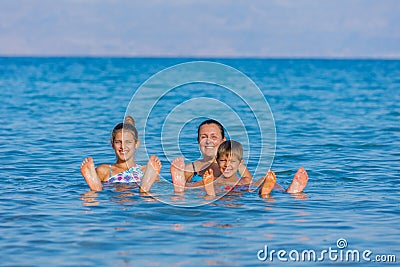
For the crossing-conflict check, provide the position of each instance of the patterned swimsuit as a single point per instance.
(131, 175)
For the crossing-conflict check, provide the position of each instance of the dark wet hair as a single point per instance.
(127, 125)
(211, 121)
(229, 148)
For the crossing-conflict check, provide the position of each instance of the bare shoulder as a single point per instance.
(245, 174)
(103, 171)
(242, 168)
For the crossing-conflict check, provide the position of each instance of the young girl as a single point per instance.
(124, 141)
(229, 159)
(210, 134)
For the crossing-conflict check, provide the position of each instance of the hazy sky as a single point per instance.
(209, 28)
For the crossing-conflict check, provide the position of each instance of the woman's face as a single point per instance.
(209, 139)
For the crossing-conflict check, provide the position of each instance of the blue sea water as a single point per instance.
(337, 118)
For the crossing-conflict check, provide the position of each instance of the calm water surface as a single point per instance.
(337, 118)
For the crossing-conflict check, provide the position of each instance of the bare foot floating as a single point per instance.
(299, 181)
(208, 180)
(153, 169)
(178, 174)
(268, 184)
(89, 172)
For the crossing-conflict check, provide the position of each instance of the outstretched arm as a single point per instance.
(194, 184)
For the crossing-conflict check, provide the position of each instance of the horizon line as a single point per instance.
(207, 57)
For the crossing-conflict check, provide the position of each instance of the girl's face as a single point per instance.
(209, 139)
(124, 145)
